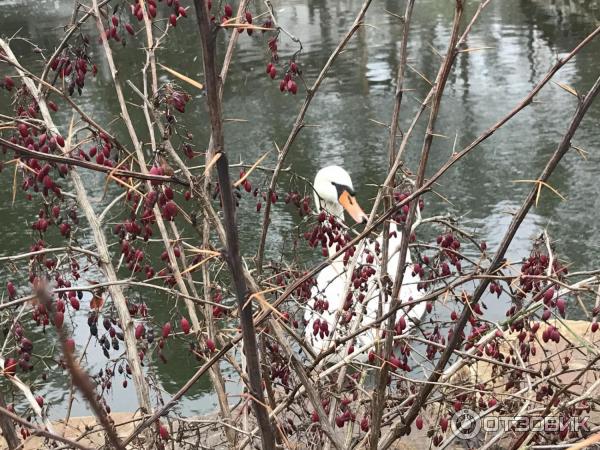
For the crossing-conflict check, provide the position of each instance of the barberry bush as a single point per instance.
(75, 299)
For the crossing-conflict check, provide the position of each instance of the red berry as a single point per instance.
(74, 303)
(139, 331)
(164, 433)
(371, 357)
(173, 20)
(23, 130)
(419, 422)
(210, 345)
(115, 20)
(59, 318)
(228, 10)
(185, 325)
(70, 344)
(129, 28)
(8, 83)
(12, 291)
(40, 400)
(181, 11)
(166, 330)
(364, 424)
(561, 305)
(170, 210)
(594, 327)
(10, 366)
(444, 424)
(292, 87)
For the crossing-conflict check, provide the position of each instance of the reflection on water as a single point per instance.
(518, 40)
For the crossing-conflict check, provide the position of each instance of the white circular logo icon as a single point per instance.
(465, 424)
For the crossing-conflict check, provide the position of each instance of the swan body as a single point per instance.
(330, 184)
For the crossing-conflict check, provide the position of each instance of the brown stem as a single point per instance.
(438, 90)
(87, 164)
(208, 37)
(8, 428)
(40, 431)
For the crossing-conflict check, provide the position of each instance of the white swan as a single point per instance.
(334, 193)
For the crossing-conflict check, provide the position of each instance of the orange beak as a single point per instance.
(352, 207)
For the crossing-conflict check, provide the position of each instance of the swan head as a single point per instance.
(334, 193)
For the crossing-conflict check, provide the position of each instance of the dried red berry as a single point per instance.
(210, 345)
(185, 325)
(74, 303)
(70, 344)
(364, 424)
(139, 331)
(444, 424)
(170, 210)
(164, 433)
(59, 318)
(8, 83)
(166, 330)
(419, 422)
(10, 366)
(12, 291)
(561, 305)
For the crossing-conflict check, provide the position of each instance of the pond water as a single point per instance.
(522, 39)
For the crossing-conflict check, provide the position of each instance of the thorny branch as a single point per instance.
(312, 399)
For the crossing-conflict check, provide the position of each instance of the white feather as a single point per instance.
(331, 281)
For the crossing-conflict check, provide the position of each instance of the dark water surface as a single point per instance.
(523, 38)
